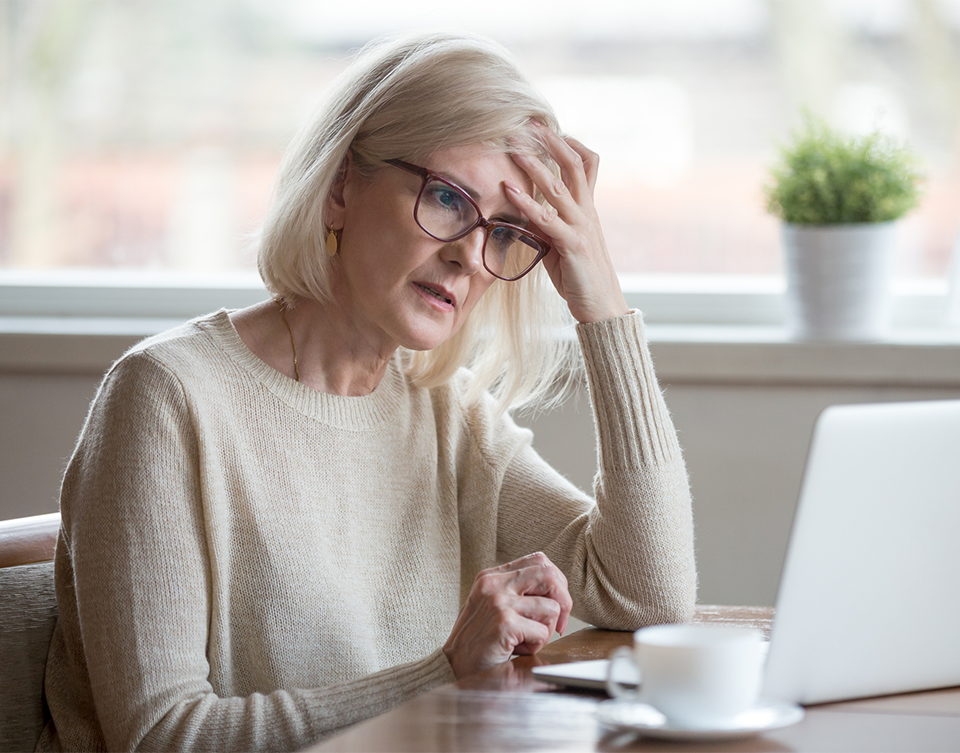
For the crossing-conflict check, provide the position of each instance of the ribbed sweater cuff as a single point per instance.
(626, 398)
(386, 690)
(404, 682)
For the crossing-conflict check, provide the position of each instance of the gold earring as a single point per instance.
(333, 242)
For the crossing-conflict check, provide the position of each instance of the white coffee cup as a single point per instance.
(698, 676)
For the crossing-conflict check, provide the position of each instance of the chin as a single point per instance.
(423, 341)
(424, 345)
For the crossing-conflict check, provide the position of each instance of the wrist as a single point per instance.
(602, 316)
(449, 653)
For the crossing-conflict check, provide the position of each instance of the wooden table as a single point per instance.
(506, 709)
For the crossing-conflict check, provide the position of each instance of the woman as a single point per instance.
(282, 520)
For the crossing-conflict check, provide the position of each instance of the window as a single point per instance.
(144, 136)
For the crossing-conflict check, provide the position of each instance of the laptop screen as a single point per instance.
(869, 599)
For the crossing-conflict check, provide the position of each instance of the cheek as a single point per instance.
(378, 252)
(478, 287)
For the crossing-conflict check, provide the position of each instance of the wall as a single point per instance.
(744, 406)
(745, 447)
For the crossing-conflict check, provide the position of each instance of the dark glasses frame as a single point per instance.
(426, 175)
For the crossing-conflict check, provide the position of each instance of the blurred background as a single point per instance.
(139, 141)
(144, 135)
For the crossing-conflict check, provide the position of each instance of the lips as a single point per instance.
(438, 292)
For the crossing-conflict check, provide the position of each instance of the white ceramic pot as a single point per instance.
(838, 280)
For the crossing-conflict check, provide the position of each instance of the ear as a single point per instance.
(336, 200)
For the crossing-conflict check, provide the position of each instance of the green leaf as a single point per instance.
(824, 177)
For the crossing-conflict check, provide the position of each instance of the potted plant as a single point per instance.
(839, 197)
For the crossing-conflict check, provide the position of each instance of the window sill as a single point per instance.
(683, 353)
(702, 330)
(767, 355)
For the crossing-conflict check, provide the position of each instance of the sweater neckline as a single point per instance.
(357, 413)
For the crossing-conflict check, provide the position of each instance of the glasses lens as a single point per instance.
(510, 252)
(444, 211)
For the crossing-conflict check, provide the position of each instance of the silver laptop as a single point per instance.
(869, 599)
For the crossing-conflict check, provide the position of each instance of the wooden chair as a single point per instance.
(28, 613)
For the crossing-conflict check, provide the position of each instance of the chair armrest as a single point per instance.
(27, 540)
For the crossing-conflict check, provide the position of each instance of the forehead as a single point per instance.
(479, 169)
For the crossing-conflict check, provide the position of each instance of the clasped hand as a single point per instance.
(511, 609)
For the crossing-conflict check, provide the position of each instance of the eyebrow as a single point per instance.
(512, 219)
(469, 191)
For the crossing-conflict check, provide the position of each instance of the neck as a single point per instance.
(332, 356)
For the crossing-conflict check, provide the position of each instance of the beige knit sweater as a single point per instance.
(248, 564)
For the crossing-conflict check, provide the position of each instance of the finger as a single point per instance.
(531, 575)
(550, 582)
(527, 621)
(553, 187)
(540, 609)
(591, 161)
(539, 578)
(543, 218)
(535, 636)
(572, 161)
(563, 599)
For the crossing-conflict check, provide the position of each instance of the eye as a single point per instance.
(443, 196)
(504, 237)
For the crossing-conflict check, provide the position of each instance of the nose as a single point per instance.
(466, 252)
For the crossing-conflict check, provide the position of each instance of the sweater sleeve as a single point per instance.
(134, 581)
(629, 555)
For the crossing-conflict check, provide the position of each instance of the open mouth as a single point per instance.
(436, 294)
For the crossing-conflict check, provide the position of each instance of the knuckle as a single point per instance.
(559, 187)
(544, 562)
(500, 602)
(540, 634)
(510, 637)
(486, 584)
(548, 214)
(561, 580)
(503, 615)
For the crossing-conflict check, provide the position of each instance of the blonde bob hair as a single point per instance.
(404, 98)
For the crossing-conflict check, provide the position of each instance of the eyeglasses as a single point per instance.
(446, 212)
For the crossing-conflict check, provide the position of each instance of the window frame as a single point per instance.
(746, 302)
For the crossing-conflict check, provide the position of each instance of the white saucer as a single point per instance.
(639, 717)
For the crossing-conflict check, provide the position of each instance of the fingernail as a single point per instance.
(510, 187)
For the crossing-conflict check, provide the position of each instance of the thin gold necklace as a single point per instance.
(293, 345)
